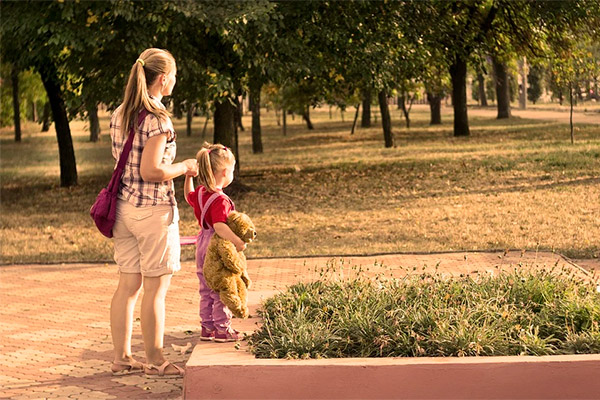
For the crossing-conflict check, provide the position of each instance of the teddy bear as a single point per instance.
(225, 268)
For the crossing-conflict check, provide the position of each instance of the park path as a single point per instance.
(579, 117)
(54, 320)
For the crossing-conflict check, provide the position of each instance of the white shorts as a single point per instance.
(146, 239)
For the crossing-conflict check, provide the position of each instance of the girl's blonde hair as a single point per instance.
(149, 65)
(211, 159)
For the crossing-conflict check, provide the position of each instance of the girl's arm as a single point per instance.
(226, 233)
(188, 186)
(153, 170)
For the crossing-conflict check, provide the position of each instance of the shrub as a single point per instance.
(514, 313)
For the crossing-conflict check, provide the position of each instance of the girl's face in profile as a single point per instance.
(171, 79)
(229, 174)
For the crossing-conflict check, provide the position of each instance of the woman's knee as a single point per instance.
(157, 286)
(130, 284)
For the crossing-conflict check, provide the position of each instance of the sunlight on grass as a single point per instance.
(512, 184)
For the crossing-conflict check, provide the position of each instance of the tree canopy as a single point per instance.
(312, 52)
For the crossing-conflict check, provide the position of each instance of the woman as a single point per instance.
(146, 232)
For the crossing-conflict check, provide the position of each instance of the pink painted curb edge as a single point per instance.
(214, 372)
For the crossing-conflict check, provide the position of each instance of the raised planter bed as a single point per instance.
(222, 371)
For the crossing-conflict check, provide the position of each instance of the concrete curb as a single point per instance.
(235, 374)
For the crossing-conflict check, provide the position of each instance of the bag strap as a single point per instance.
(129, 143)
(118, 172)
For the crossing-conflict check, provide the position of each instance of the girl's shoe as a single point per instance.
(230, 335)
(207, 335)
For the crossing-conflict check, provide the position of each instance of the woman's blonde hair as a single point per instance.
(211, 159)
(149, 65)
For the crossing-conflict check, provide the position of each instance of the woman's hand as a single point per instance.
(191, 166)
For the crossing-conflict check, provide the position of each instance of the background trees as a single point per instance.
(309, 53)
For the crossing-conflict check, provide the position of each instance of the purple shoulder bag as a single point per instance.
(104, 210)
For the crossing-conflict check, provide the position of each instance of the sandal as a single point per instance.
(161, 371)
(131, 367)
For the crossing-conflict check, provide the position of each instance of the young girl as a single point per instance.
(211, 207)
(146, 231)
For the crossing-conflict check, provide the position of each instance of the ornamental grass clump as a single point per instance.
(514, 313)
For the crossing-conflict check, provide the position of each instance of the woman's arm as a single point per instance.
(226, 233)
(153, 170)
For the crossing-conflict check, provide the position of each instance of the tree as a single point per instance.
(459, 31)
(534, 91)
(502, 88)
(14, 79)
(408, 93)
(573, 65)
(437, 84)
(365, 120)
(35, 37)
(481, 90)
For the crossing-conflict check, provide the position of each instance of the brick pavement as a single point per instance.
(54, 319)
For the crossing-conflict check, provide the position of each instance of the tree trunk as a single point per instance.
(34, 113)
(205, 125)
(355, 119)
(239, 111)
(405, 111)
(571, 111)
(46, 117)
(177, 113)
(68, 165)
(523, 92)
(502, 89)
(14, 76)
(257, 146)
(306, 117)
(560, 97)
(458, 73)
(224, 123)
(366, 113)
(284, 121)
(386, 121)
(189, 118)
(236, 152)
(435, 106)
(482, 95)
(92, 110)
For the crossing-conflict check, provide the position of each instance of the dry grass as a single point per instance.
(511, 184)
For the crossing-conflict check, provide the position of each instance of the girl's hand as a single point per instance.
(191, 166)
(240, 245)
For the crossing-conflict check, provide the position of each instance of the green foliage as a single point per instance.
(31, 91)
(515, 313)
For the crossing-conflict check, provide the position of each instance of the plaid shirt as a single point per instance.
(133, 188)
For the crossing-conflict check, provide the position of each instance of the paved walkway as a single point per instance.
(54, 319)
(579, 117)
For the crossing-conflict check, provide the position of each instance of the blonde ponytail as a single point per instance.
(212, 158)
(149, 65)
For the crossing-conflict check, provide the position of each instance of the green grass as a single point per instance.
(514, 313)
(515, 183)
